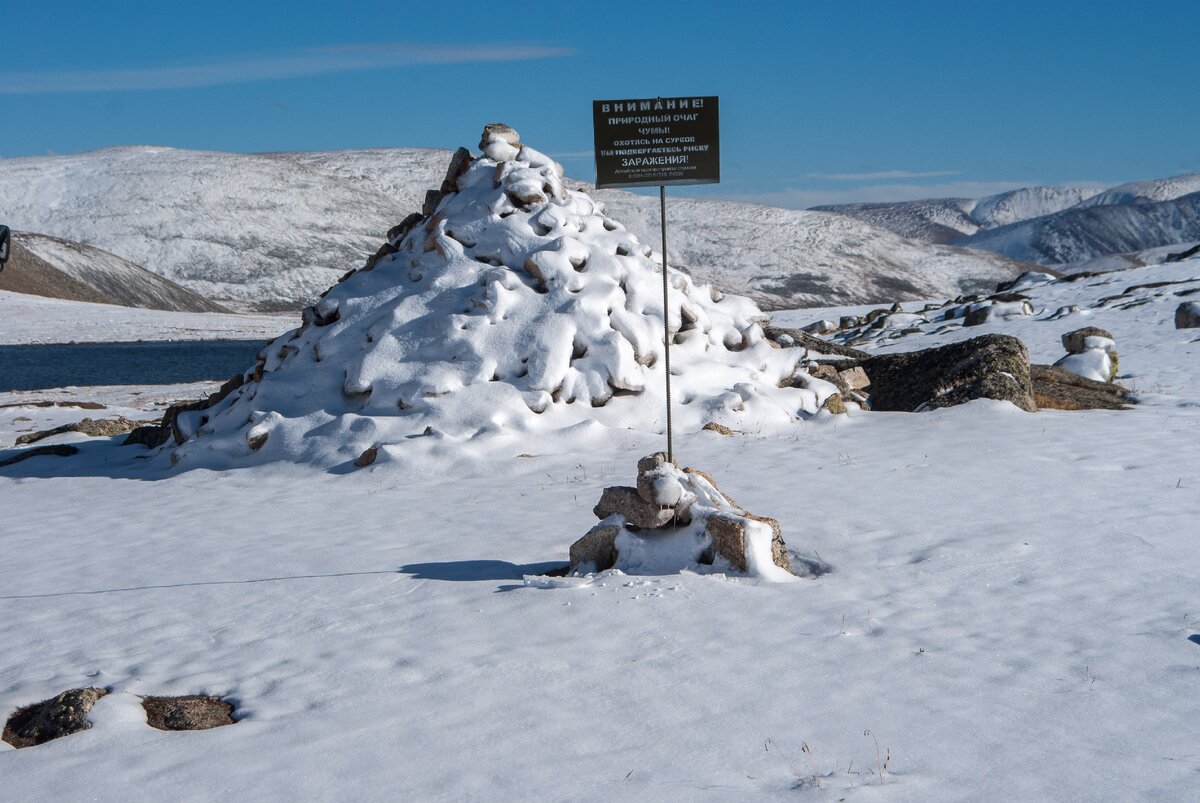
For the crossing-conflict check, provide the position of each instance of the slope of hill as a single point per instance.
(1087, 232)
(788, 258)
(49, 266)
(272, 231)
(263, 231)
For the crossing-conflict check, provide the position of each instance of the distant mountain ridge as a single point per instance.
(1052, 226)
(271, 231)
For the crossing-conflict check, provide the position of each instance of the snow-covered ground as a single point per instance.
(1011, 611)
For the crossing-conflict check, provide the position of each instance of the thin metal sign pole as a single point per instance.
(662, 204)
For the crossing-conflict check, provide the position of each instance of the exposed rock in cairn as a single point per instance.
(1091, 353)
(676, 519)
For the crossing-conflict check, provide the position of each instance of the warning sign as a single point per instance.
(657, 142)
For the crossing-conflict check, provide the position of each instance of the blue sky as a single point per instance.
(820, 102)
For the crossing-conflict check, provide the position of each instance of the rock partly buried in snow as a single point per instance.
(1091, 354)
(52, 719)
(987, 367)
(1056, 389)
(1187, 315)
(192, 712)
(93, 427)
(1075, 342)
(694, 525)
(513, 306)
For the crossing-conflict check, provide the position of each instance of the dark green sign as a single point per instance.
(657, 142)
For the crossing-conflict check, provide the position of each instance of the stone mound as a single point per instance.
(51, 719)
(510, 304)
(677, 519)
(187, 713)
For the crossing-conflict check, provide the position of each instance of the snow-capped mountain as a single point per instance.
(948, 220)
(272, 231)
(56, 268)
(1163, 189)
(1085, 233)
(1052, 225)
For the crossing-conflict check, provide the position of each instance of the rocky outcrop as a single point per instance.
(987, 367)
(93, 427)
(1057, 389)
(55, 450)
(674, 519)
(51, 719)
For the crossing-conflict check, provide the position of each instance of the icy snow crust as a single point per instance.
(518, 306)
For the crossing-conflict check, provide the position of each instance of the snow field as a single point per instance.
(1011, 609)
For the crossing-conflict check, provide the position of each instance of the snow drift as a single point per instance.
(513, 306)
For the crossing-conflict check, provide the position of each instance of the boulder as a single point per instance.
(1187, 315)
(51, 719)
(987, 367)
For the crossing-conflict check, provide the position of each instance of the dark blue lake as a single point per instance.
(56, 365)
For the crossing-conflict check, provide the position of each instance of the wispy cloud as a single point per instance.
(289, 64)
(882, 175)
(806, 197)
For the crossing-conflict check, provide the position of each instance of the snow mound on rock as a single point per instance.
(512, 306)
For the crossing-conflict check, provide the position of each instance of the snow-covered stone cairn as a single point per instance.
(1091, 353)
(510, 306)
(676, 519)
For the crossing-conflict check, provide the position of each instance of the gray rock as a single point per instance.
(652, 461)
(597, 547)
(1187, 315)
(51, 719)
(1074, 342)
(988, 367)
(192, 712)
(977, 316)
(820, 328)
(855, 378)
(637, 511)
